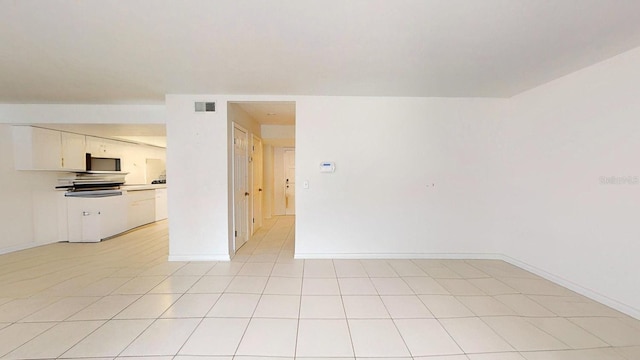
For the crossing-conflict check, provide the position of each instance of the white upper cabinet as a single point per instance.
(44, 149)
(73, 151)
(99, 147)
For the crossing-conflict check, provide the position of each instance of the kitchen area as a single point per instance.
(102, 182)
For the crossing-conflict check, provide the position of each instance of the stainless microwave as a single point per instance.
(102, 163)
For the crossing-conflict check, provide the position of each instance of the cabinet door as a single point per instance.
(93, 146)
(36, 148)
(114, 215)
(73, 151)
(161, 204)
(46, 149)
(142, 207)
(83, 220)
(91, 224)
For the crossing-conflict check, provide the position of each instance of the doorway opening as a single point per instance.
(262, 166)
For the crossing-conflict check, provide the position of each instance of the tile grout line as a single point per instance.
(257, 304)
(344, 309)
(154, 320)
(393, 321)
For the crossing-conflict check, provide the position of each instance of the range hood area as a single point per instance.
(92, 183)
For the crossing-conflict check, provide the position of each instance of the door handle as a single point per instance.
(260, 189)
(246, 194)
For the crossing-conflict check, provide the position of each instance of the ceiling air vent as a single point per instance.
(202, 106)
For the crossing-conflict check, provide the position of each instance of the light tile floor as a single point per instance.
(121, 298)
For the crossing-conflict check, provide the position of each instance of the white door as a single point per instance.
(256, 197)
(240, 187)
(290, 181)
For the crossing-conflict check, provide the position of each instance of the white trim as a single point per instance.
(593, 295)
(30, 245)
(212, 257)
(355, 256)
(252, 217)
(232, 240)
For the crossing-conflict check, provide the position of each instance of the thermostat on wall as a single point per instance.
(327, 167)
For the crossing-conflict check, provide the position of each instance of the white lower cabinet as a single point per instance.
(161, 204)
(93, 219)
(142, 207)
(91, 226)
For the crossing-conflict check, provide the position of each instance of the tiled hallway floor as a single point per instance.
(121, 298)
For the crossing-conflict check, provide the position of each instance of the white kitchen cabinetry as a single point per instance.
(142, 207)
(45, 149)
(93, 219)
(73, 151)
(99, 147)
(36, 148)
(161, 204)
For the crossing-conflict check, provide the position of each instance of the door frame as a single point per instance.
(235, 128)
(256, 223)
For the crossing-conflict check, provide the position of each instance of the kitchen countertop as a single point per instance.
(134, 187)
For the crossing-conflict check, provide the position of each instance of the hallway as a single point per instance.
(121, 299)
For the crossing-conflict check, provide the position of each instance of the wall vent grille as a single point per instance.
(202, 106)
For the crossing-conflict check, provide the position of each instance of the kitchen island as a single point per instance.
(91, 219)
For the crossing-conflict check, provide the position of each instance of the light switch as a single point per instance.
(305, 184)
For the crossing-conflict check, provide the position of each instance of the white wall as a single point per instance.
(380, 202)
(197, 166)
(559, 219)
(237, 115)
(26, 196)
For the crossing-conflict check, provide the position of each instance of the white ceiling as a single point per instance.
(110, 51)
(271, 113)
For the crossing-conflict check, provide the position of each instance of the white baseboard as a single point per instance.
(211, 257)
(394, 256)
(18, 247)
(26, 246)
(593, 295)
